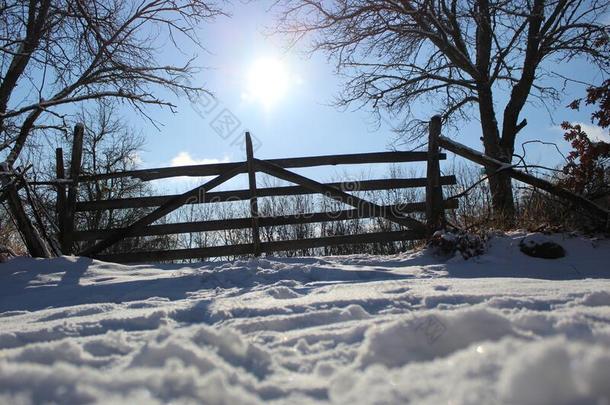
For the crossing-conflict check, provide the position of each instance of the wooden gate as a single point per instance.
(410, 228)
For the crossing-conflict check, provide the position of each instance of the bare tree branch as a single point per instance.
(454, 55)
(73, 51)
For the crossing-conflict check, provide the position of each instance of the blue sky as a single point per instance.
(302, 121)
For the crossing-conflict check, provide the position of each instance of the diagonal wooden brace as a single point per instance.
(171, 205)
(338, 195)
(482, 159)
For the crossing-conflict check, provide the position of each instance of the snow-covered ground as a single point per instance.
(501, 328)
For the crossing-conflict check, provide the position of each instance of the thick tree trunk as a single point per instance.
(502, 198)
(500, 184)
(501, 187)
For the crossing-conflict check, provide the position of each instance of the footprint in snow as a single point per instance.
(399, 290)
(283, 293)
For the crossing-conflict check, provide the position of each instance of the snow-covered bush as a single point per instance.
(467, 244)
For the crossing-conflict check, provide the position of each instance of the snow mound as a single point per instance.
(556, 372)
(431, 336)
(597, 299)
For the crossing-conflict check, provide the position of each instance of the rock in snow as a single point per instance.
(497, 328)
(538, 245)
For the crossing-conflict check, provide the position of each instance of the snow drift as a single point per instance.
(499, 328)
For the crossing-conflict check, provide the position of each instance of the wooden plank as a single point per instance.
(66, 238)
(30, 235)
(435, 214)
(266, 247)
(243, 223)
(253, 201)
(310, 161)
(480, 158)
(60, 204)
(239, 195)
(336, 194)
(51, 183)
(198, 193)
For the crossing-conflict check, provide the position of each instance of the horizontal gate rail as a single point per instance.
(336, 194)
(169, 206)
(299, 162)
(239, 195)
(265, 247)
(267, 221)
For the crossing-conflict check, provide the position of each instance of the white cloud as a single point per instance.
(136, 159)
(595, 132)
(181, 184)
(185, 159)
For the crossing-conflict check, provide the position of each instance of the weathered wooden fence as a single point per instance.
(101, 239)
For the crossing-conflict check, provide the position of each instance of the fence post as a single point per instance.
(67, 238)
(435, 212)
(60, 204)
(253, 200)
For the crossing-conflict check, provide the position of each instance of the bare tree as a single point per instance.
(59, 52)
(458, 55)
(109, 145)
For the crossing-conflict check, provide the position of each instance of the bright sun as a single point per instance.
(268, 81)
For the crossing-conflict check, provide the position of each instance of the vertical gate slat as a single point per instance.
(67, 239)
(435, 214)
(60, 206)
(253, 198)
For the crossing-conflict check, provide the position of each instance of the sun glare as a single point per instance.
(268, 81)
